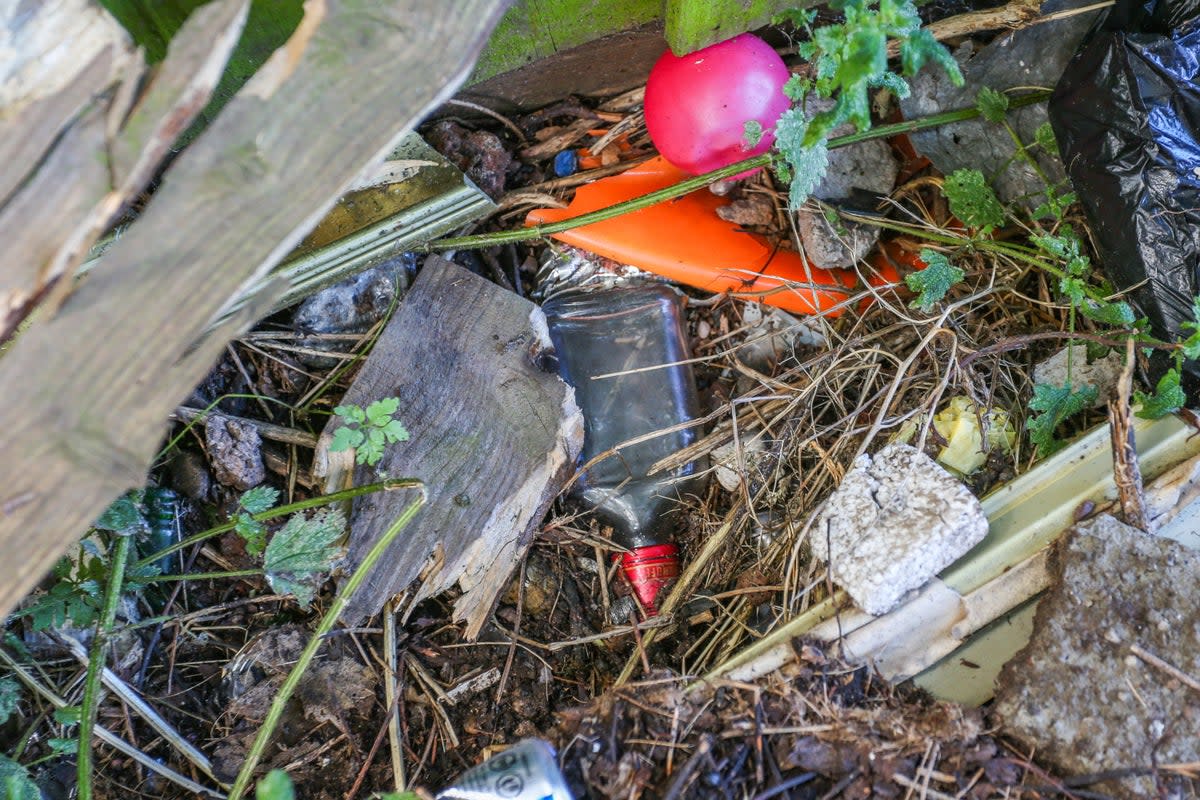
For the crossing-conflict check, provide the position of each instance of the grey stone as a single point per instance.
(1034, 56)
(1078, 694)
(355, 304)
(867, 167)
(1103, 373)
(895, 522)
(235, 453)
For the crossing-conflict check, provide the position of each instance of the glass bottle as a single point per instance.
(621, 344)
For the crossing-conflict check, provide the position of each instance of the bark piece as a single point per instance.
(895, 522)
(493, 437)
(1090, 691)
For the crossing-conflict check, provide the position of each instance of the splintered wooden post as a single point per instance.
(493, 438)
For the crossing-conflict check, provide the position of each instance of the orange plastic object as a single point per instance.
(684, 240)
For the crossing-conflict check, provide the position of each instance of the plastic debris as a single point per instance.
(624, 350)
(962, 424)
(1127, 117)
(895, 522)
(706, 251)
(526, 771)
(566, 163)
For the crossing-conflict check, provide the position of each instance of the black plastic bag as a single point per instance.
(1127, 116)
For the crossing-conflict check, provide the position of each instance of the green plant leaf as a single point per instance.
(1119, 314)
(934, 281)
(253, 532)
(920, 48)
(275, 785)
(259, 499)
(1044, 136)
(1053, 405)
(1191, 345)
(68, 715)
(395, 431)
(380, 412)
(972, 200)
(806, 164)
(124, 517)
(752, 134)
(346, 439)
(350, 413)
(16, 781)
(63, 747)
(302, 552)
(10, 697)
(1167, 398)
(992, 105)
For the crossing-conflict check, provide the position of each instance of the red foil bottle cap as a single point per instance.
(648, 570)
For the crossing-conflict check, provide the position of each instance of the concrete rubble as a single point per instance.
(895, 522)
(1104, 683)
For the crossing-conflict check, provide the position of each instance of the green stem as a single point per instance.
(246, 773)
(699, 182)
(208, 576)
(96, 661)
(279, 511)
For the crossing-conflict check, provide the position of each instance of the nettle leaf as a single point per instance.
(302, 552)
(1044, 136)
(920, 48)
(1191, 345)
(752, 134)
(807, 164)
(259, 499)
(63, 747)
(1119, 314)
(992, 105)
(350, 413)
(346, 438)
(797, 88)
(380, 412)
(10, 697)
(972, 200)
(124, 516)
(1167, 398)
(934, 281)
(1053, 405)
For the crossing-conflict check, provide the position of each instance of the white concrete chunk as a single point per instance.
(895, 522)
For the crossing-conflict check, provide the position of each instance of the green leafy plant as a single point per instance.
(1168, 396)
(934, 281)
(1051, 406)
(255, 501)
(275, 785)
(368, 431)
(850, 59)
(302, 552)
(972, 200)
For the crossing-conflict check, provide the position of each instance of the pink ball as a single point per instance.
(697, 106)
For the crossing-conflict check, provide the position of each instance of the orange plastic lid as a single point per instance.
(684, 240)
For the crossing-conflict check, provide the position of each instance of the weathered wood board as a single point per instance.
(493, 438)
(86, 392)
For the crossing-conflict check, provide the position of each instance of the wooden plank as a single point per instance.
(493, 439)
(87, 392)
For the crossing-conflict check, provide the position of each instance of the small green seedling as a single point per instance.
(368, 431)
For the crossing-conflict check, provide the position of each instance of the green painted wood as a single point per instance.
(535, 29)
(693, 24)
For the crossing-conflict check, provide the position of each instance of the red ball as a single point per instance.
(697, 106)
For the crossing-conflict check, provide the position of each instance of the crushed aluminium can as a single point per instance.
(526, 771)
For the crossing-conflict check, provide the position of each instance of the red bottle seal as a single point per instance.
(649, 569)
